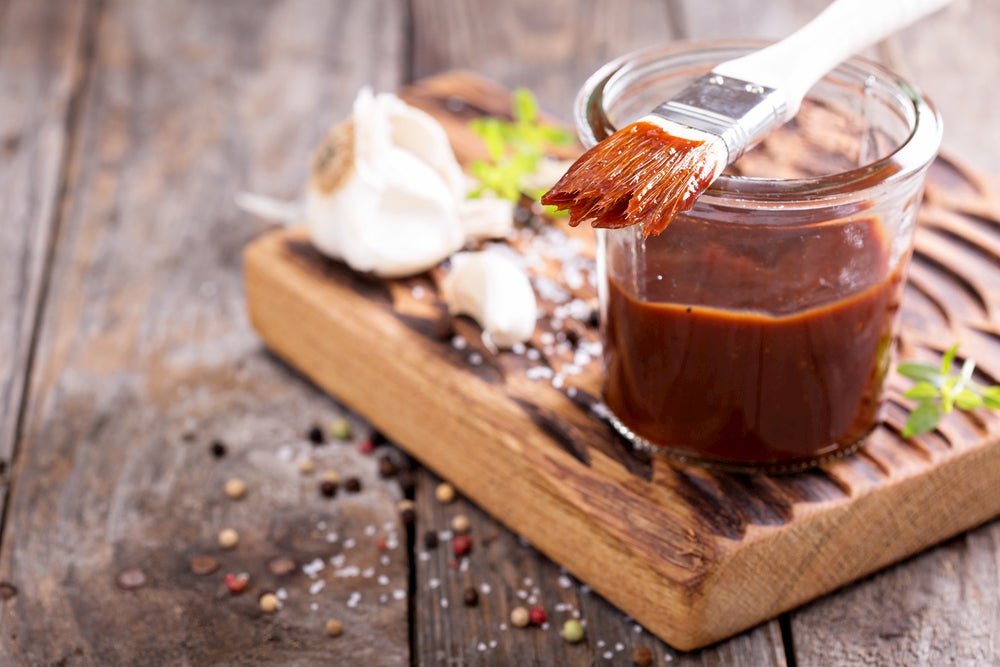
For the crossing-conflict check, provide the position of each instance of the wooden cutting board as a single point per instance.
(694, 555)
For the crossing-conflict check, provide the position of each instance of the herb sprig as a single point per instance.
(514, 148)
(940, 389)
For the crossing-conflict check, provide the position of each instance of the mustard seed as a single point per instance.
(334, 628)
(642, 656)
(445, 493)
(519, 617)
(460, 524)
(307, 466)
(340, 429)
(235, 488)
(331, 476)
(268, 603)
(228, 538)
(573, 631)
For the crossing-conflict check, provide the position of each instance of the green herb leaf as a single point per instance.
(938, 391)
(923, 419)
(514, 149)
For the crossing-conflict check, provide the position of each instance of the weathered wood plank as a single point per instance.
(550, 47)
(37, 77)
(145, 357)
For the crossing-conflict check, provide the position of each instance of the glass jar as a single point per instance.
(756, 331)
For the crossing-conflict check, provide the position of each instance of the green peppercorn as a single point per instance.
(572, 631)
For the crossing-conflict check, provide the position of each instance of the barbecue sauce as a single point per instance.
(730, 382)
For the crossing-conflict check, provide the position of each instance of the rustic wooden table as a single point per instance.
(126, 128)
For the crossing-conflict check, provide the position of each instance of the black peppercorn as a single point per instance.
(327, 488)
(218, 449)
(316, 435)
(470, 596)
(431, 539)
(352, 484)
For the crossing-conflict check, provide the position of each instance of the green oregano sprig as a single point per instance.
(940, 389)
(514, 149)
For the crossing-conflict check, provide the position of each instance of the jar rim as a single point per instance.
(912, 155)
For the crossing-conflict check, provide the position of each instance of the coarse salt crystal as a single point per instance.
(399, 594)
(347, 572)
(383, 580)
(316, 586)
(354, 599)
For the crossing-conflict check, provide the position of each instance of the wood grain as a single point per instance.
(145, 357)
(38, 77)
(691, 538)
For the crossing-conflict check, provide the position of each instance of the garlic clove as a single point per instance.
(495, 292)
(486, 217)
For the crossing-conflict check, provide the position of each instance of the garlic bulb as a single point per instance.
(386, 194)
(495, 292)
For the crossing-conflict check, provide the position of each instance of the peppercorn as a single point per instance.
(470, 596)
(307, 466)
(228, 538)
(642, 656)
(316, 436)
(203, 564)
(340, 429)
(537, 616)
(327, 489)
(237, 583)
(334, 628)
(519, 617)
(461, 545)
(460, 524)
(235, 488)
(431, 539)
(352, 484)
(366, 446)
(268, 603)
(218, 449)
(573, 631)
(445, 493)
(331, 476)
(407, 512)
(386, 466)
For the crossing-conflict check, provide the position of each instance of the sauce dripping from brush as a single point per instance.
(640, 175)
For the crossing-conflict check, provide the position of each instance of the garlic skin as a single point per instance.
(495, 292)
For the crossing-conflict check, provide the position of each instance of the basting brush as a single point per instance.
(654, 168)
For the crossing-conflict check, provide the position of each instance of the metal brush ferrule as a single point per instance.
(740, 112)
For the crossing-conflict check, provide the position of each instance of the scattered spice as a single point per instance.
(537, 616)
(470, 596)
(519, 617)
(460, 524)
(327, 489)
(235, 488)
(203, 564)
(268, 603)
(307, 466)
(218, 449)
(642, 656)
(431, 539)
(461, 545)
(573, 631)
(316, 436)
(386, 466)
(237, 583)
(444, 493)
(352, 484)
(281, 566)
(7, 590)
(130, 578)
(228, 538)
(331, 476)
(340, 429)
(334, 628)
(366, 447)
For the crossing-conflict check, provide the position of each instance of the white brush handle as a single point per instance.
(794, 64)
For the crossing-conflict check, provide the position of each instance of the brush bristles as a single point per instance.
(640, 175)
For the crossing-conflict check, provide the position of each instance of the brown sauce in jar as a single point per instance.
(733, 382)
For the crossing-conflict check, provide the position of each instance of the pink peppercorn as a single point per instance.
(537, 616)
(461, 545)
(366, 447)
(237, 583)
